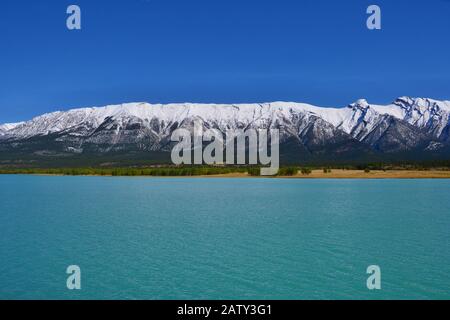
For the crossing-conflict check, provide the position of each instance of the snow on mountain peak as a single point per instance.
(358, 119)
(362, 103)
(4, 128)
(10, 126)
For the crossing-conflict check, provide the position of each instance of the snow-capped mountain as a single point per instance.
(408, 124)
(4, 128)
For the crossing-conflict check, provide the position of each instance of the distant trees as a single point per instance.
(175, 171)
(254, 172)
(156, 171)
(172, 171)
(306, 171)
(288, 171)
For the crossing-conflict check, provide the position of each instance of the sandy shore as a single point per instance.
(316, 174)
(358, 174)
(391, 174)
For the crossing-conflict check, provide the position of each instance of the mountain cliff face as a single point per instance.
(419, 127)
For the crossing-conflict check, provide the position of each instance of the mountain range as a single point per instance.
(406, 129)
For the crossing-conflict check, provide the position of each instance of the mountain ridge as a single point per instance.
(419, 126)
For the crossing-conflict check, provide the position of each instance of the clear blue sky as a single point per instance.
(316, 51)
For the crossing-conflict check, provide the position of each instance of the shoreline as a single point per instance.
(315, 174)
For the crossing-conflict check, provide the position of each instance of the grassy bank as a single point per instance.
(294, 172)
(156, 171)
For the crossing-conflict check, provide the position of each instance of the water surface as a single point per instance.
(207, 238)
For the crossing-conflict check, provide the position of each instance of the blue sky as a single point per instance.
(225, 51)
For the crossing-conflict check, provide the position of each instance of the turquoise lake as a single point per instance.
(208, 238)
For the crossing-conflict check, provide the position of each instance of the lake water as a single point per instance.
(195, 238)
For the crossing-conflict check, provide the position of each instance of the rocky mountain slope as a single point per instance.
(413, 126)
